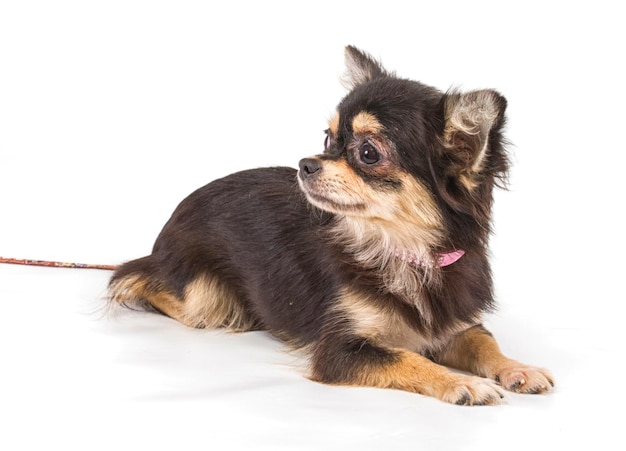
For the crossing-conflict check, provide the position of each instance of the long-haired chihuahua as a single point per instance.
(372, 256)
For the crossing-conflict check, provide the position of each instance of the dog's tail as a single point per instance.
(136, 285)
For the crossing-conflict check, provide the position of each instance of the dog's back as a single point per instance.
(244, 252)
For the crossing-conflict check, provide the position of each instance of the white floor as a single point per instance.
(72, 377)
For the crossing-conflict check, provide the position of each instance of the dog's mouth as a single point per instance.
(331, 205)
(321, 195)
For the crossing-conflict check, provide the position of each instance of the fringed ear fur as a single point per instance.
(360, 68)
(472, 121)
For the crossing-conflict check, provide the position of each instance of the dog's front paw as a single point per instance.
(520, 378)
(472, 391)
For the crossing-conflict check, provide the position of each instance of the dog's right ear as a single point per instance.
(472, 135)
(360, 68)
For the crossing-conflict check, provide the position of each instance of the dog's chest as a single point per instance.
(409, 283)
(381, 319)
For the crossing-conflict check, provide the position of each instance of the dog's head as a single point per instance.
(405, 155)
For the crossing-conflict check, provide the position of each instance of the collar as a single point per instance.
(441, 259)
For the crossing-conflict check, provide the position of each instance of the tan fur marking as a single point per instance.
(209, 303)
(417, 203)
(366, 123)
(136, 290)
(467, 179)
(333, 124)
(340, 186)
(386, 326)
(170, 305)
(476, 351)
(415, 373)
(383, 326)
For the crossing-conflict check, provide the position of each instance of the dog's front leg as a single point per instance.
(342, 360)
(476, 351)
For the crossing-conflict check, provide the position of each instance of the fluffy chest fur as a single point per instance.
(428, 298)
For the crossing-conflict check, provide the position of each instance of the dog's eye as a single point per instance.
(368, 153)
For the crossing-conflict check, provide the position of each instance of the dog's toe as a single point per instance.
(525, 379)
(472, 391)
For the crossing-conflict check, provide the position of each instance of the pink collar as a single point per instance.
(442, 259)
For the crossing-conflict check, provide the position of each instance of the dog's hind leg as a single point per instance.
(204, 302)
(136, 285)
(210, 302)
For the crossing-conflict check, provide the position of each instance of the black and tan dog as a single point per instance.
(372, 257)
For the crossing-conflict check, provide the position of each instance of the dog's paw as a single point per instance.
(521, 378)
(472, 391)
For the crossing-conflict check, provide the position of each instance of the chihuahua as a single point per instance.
(372, 257)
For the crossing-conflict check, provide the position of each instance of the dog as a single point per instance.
(372, 256)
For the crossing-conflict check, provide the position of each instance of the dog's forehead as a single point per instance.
(384, 104)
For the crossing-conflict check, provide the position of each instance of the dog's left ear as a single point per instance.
(360, 68)
(472, 135)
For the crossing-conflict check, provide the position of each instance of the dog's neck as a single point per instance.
(406, 261)
(372, 242)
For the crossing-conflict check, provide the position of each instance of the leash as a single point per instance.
(17, 261)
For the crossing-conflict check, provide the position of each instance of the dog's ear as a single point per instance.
(360, 68)
(472, 135)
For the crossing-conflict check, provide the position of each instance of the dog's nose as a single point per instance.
(309, 166)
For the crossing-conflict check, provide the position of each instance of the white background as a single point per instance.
(112, 112)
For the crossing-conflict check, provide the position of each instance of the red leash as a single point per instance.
(17, 261)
